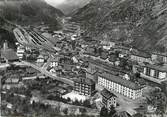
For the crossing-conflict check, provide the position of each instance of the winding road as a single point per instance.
(44, 71)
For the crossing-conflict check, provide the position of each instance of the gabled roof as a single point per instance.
(162, 68)
(84, 81)
(141, 54)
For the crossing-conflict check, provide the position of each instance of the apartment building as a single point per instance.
(84, 86)
(108, 99)
(120, 85)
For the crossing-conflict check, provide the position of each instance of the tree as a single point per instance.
(68, 100)
(76, 102)
(65, 111)
(82, 110)
(158, 100)
(104, 112)
(86, 103)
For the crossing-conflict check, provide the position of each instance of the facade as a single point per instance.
(54, 62)
(84, 86)
(140, 57)
(108, 99)
(120, 85)
(90, 75)
(40, 59)
(161, 57)
(20, 51)
(107, 44)
(124, 50)
(155, 73)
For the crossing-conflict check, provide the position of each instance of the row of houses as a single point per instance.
(133, 54)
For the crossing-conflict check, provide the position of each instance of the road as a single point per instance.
(44, 71)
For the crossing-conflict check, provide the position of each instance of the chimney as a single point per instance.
(5, 45)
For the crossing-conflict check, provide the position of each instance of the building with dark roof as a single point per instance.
(84, 86)
(140, 56)
(161, 57)
(108, 99)
(98, 65)
(120, 85)
(155, 73)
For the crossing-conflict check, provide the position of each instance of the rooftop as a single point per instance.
(141, 54)
(84, 81)
(107, 94)
(106, 66)
(161, 54)
(9, 54)
(162, 68)
(120, 81)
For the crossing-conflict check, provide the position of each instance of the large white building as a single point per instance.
(120, 85)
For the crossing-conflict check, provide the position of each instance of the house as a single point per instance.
(54, 62)
(90, 51)
(40, 59)
(31, 71)
(75, 59)
(66, 63)
(20, 51)
(155, 73)
(57, 91)
(104, 55)
(112, 58)
(84, 86)
(124, 51)
(107, 44)
(8, 55)
(140, 57)
(161, 57)
(119, 85)
(12, 81)
(108, 99)
(51, 70)
(91, 74)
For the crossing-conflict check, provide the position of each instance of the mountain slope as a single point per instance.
(29, 12)
(140, 23)
(26, 12)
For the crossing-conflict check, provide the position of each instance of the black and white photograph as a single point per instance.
(83, 58)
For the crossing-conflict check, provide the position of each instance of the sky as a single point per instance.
(67, 6)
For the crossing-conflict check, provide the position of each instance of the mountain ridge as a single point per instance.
(138, 23)
(24, 13)
(29, 12)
